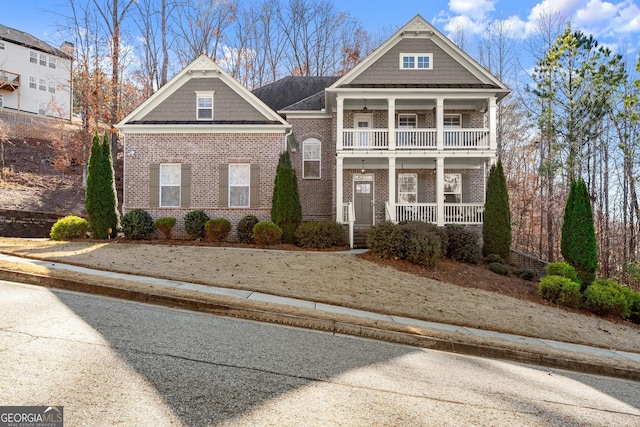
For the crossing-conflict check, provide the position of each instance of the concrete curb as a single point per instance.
(520, 355)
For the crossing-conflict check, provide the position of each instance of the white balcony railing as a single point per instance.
(418, 139)
(454, 213)
(466, 138)
(414, 139)
(365, 139)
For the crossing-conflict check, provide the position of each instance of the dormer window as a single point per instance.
(204, 105)
(416, 61)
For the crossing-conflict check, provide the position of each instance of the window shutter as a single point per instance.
(254, 187)
(422, 121)
(223, 183)
(466, 188)
(422, 188)
(466, 120)
(185, 185)
(154, 185)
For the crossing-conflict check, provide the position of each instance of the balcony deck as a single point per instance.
(414, 139)
(9, 81)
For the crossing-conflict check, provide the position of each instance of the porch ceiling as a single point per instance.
(412, 163)
(415, 104)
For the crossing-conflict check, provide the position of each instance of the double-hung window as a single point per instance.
(311, 154)
(33, 84)
(452, 188)
(52, 87)
(204, 105)
(452, 124)
(239, 185)
(407, 188)
(52, 62)
(43, 59)
(170, 181)
(406, 136)
(33, 57)
(416, 61)
(42, 85)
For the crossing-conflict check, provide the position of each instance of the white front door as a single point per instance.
(361, 122)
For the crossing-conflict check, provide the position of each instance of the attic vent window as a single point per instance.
(204, 105)
(416, 61)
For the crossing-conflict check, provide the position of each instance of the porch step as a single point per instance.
(360, 237)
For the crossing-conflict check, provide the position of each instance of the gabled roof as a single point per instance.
(27, 40)
(283, 94)
(201, 67)
(419, 27)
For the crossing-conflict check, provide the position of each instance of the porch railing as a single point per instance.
(365, 139)
(466, 138)
(454, 213)
(421, 139)
(349, 217)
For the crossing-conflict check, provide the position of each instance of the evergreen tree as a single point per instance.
(100, 195)
(286, 211)
(496, 231)
(578, 245)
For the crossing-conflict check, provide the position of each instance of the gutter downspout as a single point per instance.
(286, 137)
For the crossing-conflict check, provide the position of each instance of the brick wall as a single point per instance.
(26, 223)
(25, 125)
(204, 152)
(523, 260)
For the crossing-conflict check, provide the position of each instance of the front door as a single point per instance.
(362, 122)
(363, 201)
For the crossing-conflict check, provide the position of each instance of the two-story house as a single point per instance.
(407, 134)
(34, 76)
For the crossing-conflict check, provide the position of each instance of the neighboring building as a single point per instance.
(408, 134)
(34, 76)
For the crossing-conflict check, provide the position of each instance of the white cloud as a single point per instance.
(475, 9)
(465, 23)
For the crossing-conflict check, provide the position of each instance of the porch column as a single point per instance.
(392, 189)
(440, 123)
(339, 190)
(339, 122)
(492, 124)
(391, 123)
(440, 191)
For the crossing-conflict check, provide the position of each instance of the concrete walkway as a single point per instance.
(576, 349)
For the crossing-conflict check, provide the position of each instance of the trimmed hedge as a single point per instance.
(607, 298)
(499, 268)
(562, 269)
(245, 228)
(69, 227)
(320, 234)
(463, 245)
(165, 225)
(194, 224)
(137, 225)
(217, 229)
(267, 233)
(560, 290)
(417, 242)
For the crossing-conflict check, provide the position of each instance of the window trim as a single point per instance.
(415, 61)
(52, 62)
(43, 60)
(51, 86)
(33, 83)
(248, 186)
(407, 115)
(305, 159)
(415, 177)
(204, 95)
(42, 85)
(33, 57)
(161, 185)
(457, 193)
(459, 116)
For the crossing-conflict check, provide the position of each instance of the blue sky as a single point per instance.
(615, 23)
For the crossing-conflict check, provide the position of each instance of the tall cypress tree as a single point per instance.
(286, 210)
(92, 192)
(496, 230)
(578, 244)
(111, 215)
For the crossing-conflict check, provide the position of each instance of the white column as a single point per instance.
(440, 190)
(339, 122)
(391, 119)
(493, 126)
(392, 188)
(440, 123)
(339, 190)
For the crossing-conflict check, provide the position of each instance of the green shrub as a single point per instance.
(165, 225)
(499, 268)
(286, 210)
(570, 296)
(424, 228)
(216, 230)
(69, 227)
(245, 228)
(496, 230)
(524, 273)
(423, 248)
(137, 224)
(385, 240)
(494, 258)
(463, 245)
(550, 287)
(320, 234)
(194, 224)
(634, 306)
(607, 298)
(267, 233)
(562, 269)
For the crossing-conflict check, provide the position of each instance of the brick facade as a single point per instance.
(205, 153)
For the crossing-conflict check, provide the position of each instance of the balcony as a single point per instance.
(9, 81)
(414, 139)
(454, 213)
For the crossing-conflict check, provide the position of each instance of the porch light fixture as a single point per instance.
(362, 170)
(365, 109)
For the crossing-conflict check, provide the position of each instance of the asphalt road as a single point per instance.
(112, 362)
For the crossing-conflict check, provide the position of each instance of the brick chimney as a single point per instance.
(68, 48)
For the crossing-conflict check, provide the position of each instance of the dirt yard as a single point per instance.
(452, 293)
